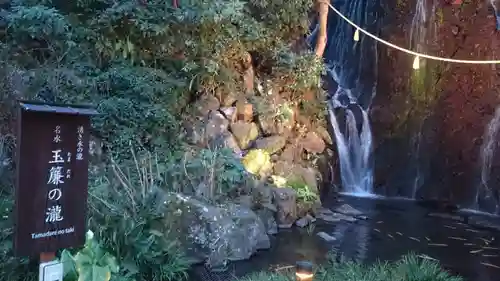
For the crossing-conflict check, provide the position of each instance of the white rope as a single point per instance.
(410, 51)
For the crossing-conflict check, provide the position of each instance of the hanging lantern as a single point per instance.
(416, 63)
(356, 35)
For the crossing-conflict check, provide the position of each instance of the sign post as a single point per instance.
(52, 182)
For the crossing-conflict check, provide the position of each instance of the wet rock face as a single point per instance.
(286, 203)
(218, 234)
(450, 110)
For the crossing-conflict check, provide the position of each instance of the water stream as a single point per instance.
(351, 85)
(484, 195)
(423, 31)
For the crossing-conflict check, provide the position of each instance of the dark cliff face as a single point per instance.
(429, 124)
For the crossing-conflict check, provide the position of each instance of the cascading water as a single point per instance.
(423, 31)
(351, 85)
(487, 153)
(354, 146)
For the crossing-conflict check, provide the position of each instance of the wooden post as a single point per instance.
(322, 8)
(47, 257)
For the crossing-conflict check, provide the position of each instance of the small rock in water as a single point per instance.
(325, 236)
(303, 222)
(348, 210)
(335, 217)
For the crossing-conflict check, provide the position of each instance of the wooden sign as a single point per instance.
(52, 177)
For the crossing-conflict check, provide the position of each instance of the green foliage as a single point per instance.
(287, 18)
(131, 225)
(304, 193)
(216, 171)
(91, 263)
(409, 268)
(11, 267)
(141, 63)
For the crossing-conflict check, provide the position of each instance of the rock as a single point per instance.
(216, 234)
(309, 176)
(267, 217)
(348, 210)
(329, 216)
(263, 196)
(225, 140)
(297, 174)
(313, 143)
(245, 200)
(206, 104)
(268, 125)
(271, 144)
(305, 221)
(248, 80)
(305, 208)
(216, 125)
(286, 203)
(324, 134)
(257, 162)
(244, 133)
(230, 113)
(326, 237)
(244, 111)
(291, 154)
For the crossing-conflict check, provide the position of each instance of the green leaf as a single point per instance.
(94, 273)
(109, 261)
(69, 269)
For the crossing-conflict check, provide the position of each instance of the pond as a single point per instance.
(467, 247)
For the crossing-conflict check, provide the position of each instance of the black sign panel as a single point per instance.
(52, 178)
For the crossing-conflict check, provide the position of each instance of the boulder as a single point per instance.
(216, 234)
(329, 216)
(271, 144)
(285, 200)
(257, 162)
(305, 221)
(305, 208)
(225, 140)
(263, 196)
(292, 154)
(216, 125)
(297, 174)
(230, 113)
(206, 104)
(267, 217)
(248, 80)
(244, 111)
(347, 209)
(268, 125)
(245, 133)
(313, 143)
(324, 134)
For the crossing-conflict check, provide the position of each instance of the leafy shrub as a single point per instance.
(409, 268)
(130, 225)
(215, 171)
(304, 193)
(91, 263)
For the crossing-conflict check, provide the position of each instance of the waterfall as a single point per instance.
(423, 31)
(354, 146)
(487, 153)
(351, 82)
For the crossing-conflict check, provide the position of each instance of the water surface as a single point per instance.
(394, 228)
